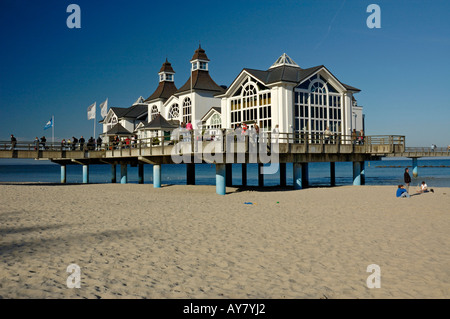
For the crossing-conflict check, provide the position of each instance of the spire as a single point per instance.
(199, 54)
(284, 59)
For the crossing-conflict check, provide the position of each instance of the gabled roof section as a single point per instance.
(283, 74)
(284, 59)
(159, 123)
(210, 111)
(119, 111)
(201, 80)
(140, 100)
(118, 129)
(164, 90)
(199, 54)
(135, 111)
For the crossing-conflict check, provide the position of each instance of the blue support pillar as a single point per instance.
(141, 173)
(123, 174)
(113, 173)
(297, 170)
(85, 174)
(357, 173)
(63, 174)
(415, 167)
(157, 176)
(220, 179)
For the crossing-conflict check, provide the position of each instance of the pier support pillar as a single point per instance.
(157, 176)
(244, 174)
(358, 173)
(141, 173)
(297, 170)
(85, 174)
(63, 174)
(305, 175)
(190, 174)
(415, 167)
(220, 178)
(123, 173)
(113, 173)
(332, 173)
(260, 175)
(363, 172)
(282, 174)
(229, 175)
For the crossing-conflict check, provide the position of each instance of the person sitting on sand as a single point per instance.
(424, 188)
(401, 192)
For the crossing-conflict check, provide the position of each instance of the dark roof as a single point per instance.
(351, 88)
(164, 90)
(166, 67)
(158, 123)
(289, 74)
(135, 111)
(118, 129)
(201, 80)
(283, 73)
(119, 111)
(199, 54)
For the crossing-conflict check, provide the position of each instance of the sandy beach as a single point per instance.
(134, 241)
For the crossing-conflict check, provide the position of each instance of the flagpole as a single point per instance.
(95, 119)
(53, 131)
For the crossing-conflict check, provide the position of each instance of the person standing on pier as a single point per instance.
(74, 143)
(43, 141)
(13, 142)
(81, 141)
(36, 143)
(407, 179)
(99, 143)
(327, 135)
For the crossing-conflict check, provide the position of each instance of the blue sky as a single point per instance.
(48, 69)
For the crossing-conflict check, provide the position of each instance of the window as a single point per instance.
(174, 112)
(203, 66)
(154, 112)
(169, 77)
(161, 77)
(194, 66)
(252, 105)
(317, 107)
(187, 110)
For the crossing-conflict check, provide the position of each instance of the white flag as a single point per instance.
(104, 108)
(91, 111)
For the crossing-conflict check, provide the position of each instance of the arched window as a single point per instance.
(216, 121)
(252, 105)
(317, 106)
(187, 110)
(174, 112)
(154, 112)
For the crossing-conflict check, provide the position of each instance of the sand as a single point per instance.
(134, 241)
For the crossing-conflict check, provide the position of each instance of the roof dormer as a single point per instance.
(200, 60)
(284, 60)
(166, 73)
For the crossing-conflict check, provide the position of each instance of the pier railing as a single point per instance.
(289, 142)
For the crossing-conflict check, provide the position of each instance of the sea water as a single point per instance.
(436, 173)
